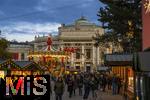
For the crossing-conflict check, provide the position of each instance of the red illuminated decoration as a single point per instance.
(49, 43)
(71, 49)
(44, 59)
(62, 59)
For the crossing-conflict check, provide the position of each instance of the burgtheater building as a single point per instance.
(78, 35)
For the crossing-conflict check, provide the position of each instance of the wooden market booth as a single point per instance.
(122, 65)
(9, 67)
(4, 67)
(27, 68)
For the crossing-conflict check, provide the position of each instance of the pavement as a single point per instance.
(100, 96)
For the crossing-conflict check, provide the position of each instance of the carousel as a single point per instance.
(52, 59)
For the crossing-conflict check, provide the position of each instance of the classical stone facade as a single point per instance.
(77, 35)
(19, 50)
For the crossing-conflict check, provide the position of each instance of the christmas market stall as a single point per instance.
(3, 67)
(122, 66)
(9, 67)
(27, 68)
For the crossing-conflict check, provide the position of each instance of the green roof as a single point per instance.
(83, 21)
(23, 63)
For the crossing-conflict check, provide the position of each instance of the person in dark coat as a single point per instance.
(119, 84)
(87, 87)
(93, 84)
(59, 88)
(109, 82)
(80, 84)
(114, 85)
(70, 86)
(75, 86)
(103, 82)
(2, 88)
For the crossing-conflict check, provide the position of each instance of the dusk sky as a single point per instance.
(23, 19)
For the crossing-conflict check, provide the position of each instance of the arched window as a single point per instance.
(78, 54)
(88, 53)
(22, 56)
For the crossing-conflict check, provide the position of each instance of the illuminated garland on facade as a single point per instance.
(147, 6)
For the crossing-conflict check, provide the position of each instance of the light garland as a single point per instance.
(147, 6)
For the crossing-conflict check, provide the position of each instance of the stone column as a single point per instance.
(19, 56)
(72, 59)
(35, 46)
(83, 56)
(62, 45)
(93, 55)
(25, 56)
(98, 55)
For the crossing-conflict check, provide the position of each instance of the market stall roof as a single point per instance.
(19, 65)
(23, 64)
(8, 64)
(103, 68)
(2, 61)
(118, 59)
(27, 65)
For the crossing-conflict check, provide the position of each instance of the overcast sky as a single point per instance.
(23, 19)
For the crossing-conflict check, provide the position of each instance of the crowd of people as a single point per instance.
(86, 83)
(83, 84)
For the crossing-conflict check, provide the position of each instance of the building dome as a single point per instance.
(83, 21)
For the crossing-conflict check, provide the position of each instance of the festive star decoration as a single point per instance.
(147, 6)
